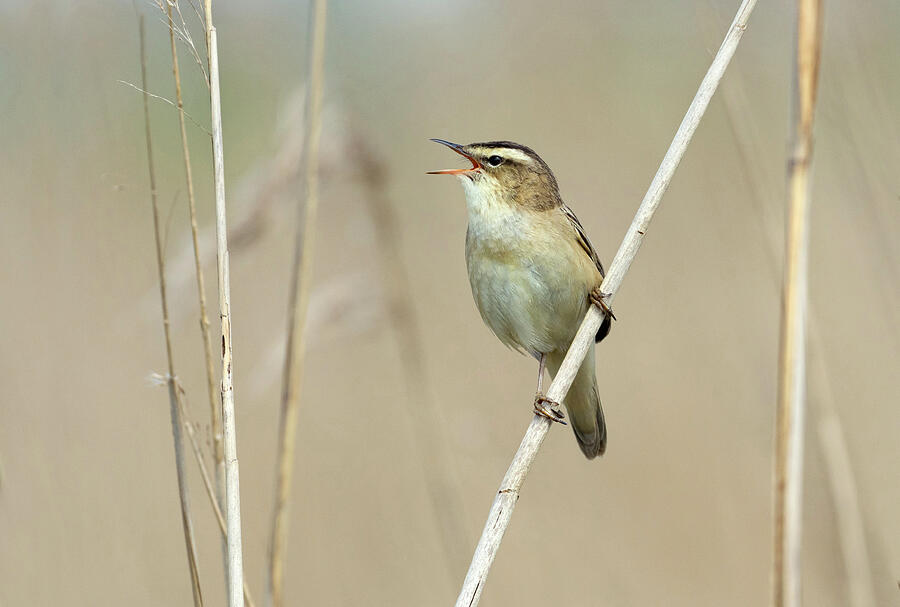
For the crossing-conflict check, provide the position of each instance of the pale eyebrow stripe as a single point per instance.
(510, 153)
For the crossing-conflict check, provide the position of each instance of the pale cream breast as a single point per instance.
(530, 283)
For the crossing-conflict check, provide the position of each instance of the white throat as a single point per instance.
(492, 220)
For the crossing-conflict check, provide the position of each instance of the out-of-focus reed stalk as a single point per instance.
(207, 482)
(508, 494)
(235, 578)
(791, 410)
(174, 408)
(830, 429)
(301, 285)
(841, 479)
(214, 411)
(440, 479)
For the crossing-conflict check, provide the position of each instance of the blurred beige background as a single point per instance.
(677, 512)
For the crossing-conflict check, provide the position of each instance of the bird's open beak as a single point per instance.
(459, 150)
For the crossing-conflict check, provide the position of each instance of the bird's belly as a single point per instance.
(526, 304)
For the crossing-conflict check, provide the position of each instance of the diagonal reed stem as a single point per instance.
(508, 494)
(791, 409)
(174, 404)
(301, 284)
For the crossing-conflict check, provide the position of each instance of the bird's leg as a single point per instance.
(542, 364)
(598, 298)
(541, 402)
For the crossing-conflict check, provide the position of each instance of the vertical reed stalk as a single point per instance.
(214, 411)
(174, 408)
(830, 429)
(208, 484)
(440, 479)
(508, 494)
(301, 284)
(791, 410)
(232, 472)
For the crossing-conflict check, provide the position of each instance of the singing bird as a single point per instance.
(533, 272)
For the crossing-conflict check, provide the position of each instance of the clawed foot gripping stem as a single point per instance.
(598, 298)
(545, 407)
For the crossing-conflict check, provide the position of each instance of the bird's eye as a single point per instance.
(495, 161)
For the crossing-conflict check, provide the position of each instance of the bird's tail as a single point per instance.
(583, 404)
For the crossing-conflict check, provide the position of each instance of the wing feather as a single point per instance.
(582, 239)
(585, 244)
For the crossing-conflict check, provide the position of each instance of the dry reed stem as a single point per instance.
(791, 410)
(174, 409)
(301, 285)
(439, 477)
(214, 411)
(508, 494)
(235, 578)
(207, 482)
(830, 429)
